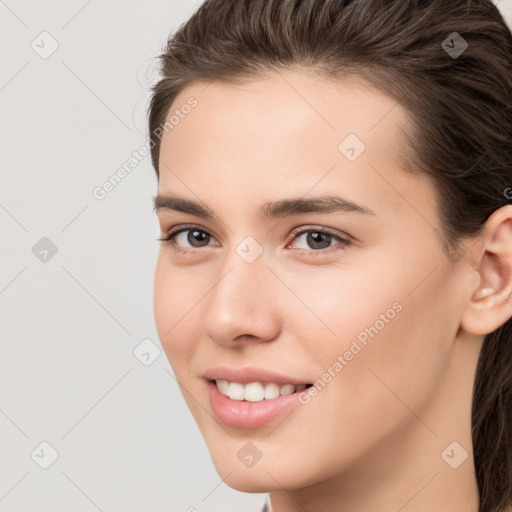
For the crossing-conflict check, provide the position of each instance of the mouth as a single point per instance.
(256, 391)
(254, 404)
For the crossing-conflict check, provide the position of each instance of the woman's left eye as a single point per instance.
(318, 240)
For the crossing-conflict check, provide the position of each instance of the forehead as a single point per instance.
(289, 133)
(290, 112)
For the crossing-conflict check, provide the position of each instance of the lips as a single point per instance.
(251, 374)
(249, 415)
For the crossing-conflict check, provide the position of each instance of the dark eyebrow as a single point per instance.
(269, 210)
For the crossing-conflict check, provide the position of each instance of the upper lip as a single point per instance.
(250, 374)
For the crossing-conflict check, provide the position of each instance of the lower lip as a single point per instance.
(245, 414)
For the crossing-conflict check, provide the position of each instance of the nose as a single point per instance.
(242, 305)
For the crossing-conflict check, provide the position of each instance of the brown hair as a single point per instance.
(460, 105)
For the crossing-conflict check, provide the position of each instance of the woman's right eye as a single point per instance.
(194, 236)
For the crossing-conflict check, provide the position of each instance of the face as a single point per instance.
(318, 262)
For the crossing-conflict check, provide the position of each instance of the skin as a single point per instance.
(373, 437)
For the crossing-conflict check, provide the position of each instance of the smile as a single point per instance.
(254, 410)
(256, 391)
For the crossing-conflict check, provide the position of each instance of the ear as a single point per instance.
(491, 303)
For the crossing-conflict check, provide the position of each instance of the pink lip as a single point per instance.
(250, 374)
(244, 414)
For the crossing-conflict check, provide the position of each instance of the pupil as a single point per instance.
(195, 236)
(315, 238)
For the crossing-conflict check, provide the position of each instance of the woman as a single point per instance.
(333, 289)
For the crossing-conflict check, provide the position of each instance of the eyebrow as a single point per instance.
(269, 210)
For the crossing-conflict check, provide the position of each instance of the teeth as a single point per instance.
(287, 389)
(256, 391)
(223, 386)
(271, 391)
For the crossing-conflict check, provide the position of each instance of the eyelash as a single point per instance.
(169, 238)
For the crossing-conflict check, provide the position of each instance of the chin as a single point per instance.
(262, 477)
(253, 479)
(250, 483)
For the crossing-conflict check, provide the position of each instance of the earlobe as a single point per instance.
(490, 305)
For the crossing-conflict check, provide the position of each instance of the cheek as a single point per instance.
(390, 343)
(175, 317)
(344, 304)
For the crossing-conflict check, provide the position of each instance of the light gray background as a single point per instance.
(125, 439)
